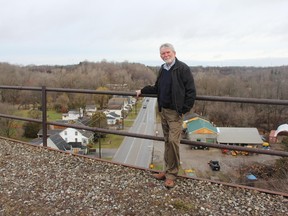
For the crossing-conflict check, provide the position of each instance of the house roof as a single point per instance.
(115, 106)
(114, 114)
(49, 132)
(86, 133)
(36, 141)
(110, 117)
(282, 129)
(90, 106)
(59, 142)
(74, 112)
(238, 135)
(116, 101)
(200, 126)
(84, 121)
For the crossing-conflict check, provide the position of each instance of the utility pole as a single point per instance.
(122, 112)
(99, 140)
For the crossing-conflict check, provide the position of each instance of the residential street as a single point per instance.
(134, 151)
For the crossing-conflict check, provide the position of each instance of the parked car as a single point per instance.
(215, 166)
(200, 147)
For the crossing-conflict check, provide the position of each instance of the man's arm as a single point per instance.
(190, 91)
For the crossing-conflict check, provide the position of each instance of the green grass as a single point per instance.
(129, 120)
(52, 115)
(132, 115)
(22, 113)
(111, 141)
(128, 123)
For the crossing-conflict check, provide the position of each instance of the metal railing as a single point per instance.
(45, 123)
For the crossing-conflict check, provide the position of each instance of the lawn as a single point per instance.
(111, 141)
(22, 113)
(52, 115)
(129, 120)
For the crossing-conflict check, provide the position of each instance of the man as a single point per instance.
(176, 94)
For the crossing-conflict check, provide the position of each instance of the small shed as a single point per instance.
(201, 130)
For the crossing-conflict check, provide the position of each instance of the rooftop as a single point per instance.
(41, 181)
(239, 135)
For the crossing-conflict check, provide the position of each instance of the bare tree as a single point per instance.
(100, 99)
(8, 127)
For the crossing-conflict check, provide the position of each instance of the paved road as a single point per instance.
(135, 151)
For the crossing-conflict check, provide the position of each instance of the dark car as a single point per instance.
(215, 166)
(200, 147)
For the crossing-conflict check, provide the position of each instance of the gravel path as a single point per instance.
(38, 181)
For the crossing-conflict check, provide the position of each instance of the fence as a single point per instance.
(45, 123)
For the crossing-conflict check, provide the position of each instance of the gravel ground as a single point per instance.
(38, 181)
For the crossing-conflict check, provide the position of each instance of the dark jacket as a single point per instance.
(183, 87)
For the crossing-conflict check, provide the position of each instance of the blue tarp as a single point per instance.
(251, 177)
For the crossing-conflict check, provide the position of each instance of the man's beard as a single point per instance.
(169, 61)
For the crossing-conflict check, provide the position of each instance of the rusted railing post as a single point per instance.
(44, 115)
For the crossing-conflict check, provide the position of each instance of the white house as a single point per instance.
(90, 110)
(111, 120)
(117, 104)
(72, 115)
(75, 135)
(112, 117)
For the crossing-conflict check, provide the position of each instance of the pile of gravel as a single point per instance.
(39, 181)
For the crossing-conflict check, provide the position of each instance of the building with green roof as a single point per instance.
(200, 130)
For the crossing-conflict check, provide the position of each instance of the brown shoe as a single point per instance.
(159, 176)
(169, 183)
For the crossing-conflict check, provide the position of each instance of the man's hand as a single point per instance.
(138, 93)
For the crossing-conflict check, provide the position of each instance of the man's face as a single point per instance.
(167, 55)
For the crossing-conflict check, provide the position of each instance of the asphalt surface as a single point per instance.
(134, 151)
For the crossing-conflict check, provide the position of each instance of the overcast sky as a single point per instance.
(204, 32)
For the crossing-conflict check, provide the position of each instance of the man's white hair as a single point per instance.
(167, 45)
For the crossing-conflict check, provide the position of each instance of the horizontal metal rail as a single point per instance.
(199, 97)
(123, 133)
(243, 100)
(157, 138)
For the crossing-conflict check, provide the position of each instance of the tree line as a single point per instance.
(248, 82)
